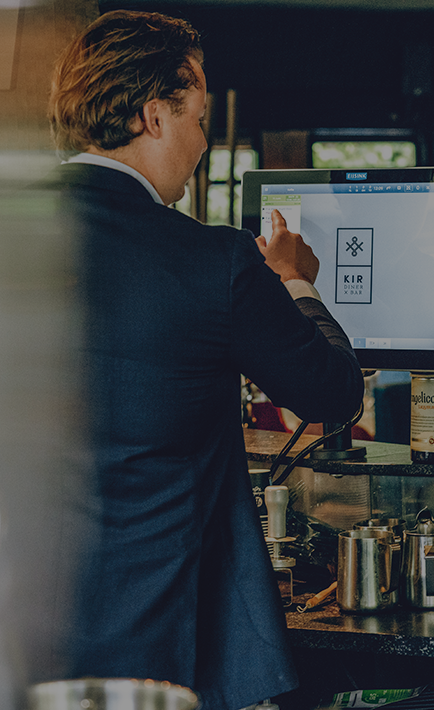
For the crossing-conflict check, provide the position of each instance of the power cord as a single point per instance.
(311, 447)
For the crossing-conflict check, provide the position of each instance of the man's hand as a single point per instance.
(287, 254)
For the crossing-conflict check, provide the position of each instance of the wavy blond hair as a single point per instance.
(105, 76)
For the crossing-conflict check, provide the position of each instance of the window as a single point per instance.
(363, 154)
(218, 196)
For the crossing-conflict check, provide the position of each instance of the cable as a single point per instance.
(288, 446)
(302, 454)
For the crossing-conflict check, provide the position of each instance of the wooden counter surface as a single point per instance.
(382, 459)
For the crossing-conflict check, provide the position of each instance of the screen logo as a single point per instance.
(357, 176)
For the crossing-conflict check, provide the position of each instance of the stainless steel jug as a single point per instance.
(111, 694)
(418, 562)
(368, 570)
(395, 525)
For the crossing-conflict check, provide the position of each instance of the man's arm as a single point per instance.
(294, 350)
(296, 264)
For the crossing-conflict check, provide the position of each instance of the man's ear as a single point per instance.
(152, 117)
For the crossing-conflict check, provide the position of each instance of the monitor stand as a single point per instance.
(338, 447)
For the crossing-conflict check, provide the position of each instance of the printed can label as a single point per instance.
(422, 413)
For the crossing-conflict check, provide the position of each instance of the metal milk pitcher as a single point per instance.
(368, 570)
(418, 562)
(395, 525)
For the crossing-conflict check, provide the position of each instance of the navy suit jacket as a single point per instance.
(176, 581)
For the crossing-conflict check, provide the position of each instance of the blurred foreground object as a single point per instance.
(111, 694)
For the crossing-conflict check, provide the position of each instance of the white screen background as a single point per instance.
(402, 260)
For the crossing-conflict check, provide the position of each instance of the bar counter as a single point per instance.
(326, 633)
(382, 459)
(336, 652)
(401, 631)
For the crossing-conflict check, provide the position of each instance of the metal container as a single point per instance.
(368, 570)
(111, 694)
(418, 562)
(422, 417)
(395, 525)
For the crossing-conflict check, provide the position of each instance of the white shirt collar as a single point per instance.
(92, 159)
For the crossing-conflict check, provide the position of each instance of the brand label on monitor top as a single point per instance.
(357, 176)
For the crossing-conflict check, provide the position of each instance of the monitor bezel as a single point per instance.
(369, 359)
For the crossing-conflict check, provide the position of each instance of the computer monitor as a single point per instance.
(373, 232)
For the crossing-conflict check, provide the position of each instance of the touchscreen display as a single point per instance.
(375, 243)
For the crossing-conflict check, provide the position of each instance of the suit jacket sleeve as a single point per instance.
(294, 351)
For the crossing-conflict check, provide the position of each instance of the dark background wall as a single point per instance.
(310, 68)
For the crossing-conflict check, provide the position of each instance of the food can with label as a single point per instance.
(422, 417)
